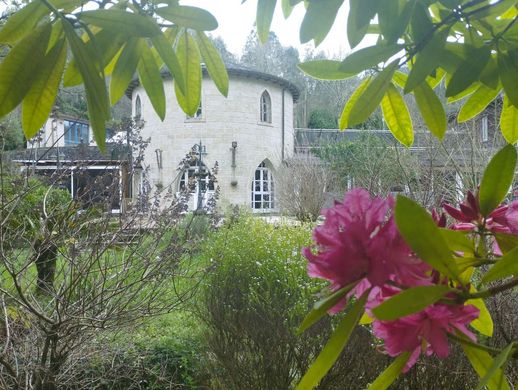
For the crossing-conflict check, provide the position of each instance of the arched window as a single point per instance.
(138, 108)
(266, 108)
(262, 189)
(194, 178)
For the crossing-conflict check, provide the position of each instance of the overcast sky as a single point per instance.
(236, 20)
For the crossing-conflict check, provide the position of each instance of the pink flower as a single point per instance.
(503, 219)
(359, 241)
(425, 331)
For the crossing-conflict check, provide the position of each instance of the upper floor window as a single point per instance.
(266, 108)
(197, 115)
(76, 132)
(485, 129)
(138, 108)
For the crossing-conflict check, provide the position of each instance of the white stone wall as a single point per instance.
(235, 118)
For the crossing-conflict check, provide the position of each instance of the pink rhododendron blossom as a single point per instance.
(359, 241)
(424, 332)
(503, 219)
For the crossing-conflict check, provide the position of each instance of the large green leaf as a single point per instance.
(480, 9)
(409, 301)
(21, 67)
(334, 346)
(469, 70)
(506, 266)
(506, 242)
(324, 70)
(390, 374)
(368, 57)
(121, 22)
(395, 113)
(427, 60)
(468, 91)
(497, 179)
(509, 121)
(508, 70)
(318, 20)
(484, 323)
(490, 75)
(427, 241)
(457, 240)
(189, 58)
(167, 54)
(213, 62)
(89, 65)
(477, 102)
(431, 109)
(371, 96)
(265, 11)
(482, 363)
(106, 44)
(187, 16)
(344, 118)
(125, 68)
(421, 23)
(321, 308)
(355, 31)
(38, 102)
(287, 8)
(21, 23)
(151, 79)
(498, 362)
(394, 17)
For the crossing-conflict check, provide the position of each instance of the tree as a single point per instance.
(372, 162)
(70, 275)
(322, 119)
(303, 187)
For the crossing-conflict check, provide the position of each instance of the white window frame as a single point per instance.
(265, 110)
(198, 115)
(263, 186)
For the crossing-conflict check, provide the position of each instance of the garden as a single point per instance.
(376, 290)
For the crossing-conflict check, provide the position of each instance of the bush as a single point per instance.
(255, 298)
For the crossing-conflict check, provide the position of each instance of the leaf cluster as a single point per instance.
(116, 41)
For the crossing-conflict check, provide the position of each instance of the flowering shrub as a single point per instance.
(390, 263)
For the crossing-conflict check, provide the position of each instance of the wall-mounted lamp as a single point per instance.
(234, 147)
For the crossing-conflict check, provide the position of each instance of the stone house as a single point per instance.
(248, 134)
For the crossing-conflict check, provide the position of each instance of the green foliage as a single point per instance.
(324, 70)
(254, 300)
(482, 363)
(31, 198)
(370, 162)
(461, 39)
(387, 377)
(497, 179)
(409, 301)
(427, 242)
(36, 60)
(334, 346)
(322, 119)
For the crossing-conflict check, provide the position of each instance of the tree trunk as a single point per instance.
(46, 257)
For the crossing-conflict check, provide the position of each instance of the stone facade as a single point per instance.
(223, 121)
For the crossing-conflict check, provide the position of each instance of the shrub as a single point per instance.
(254, 300)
